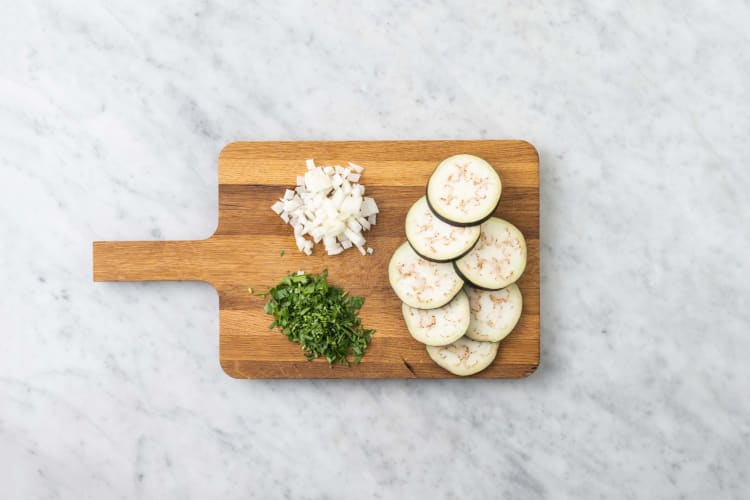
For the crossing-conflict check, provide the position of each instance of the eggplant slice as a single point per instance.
(498, 259)
(464, 356)
(434, 239)
(441, 326)
(494, 313)
(464, 190)
(421, 283)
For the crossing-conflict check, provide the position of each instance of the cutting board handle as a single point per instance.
(151, 260)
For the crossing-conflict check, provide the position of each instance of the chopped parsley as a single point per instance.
(321, 318)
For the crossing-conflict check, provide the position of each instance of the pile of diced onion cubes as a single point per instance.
(328, 205)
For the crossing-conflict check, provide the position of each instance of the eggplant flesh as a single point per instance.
(464, 356)
(494, 313)
(497, 260)
(440, 326)
(420, 283)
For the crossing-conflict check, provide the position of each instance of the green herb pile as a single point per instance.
(320, 317)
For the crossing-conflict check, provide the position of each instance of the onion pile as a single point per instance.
(328, 205)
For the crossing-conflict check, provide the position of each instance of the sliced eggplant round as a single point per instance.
(494, 313)
(498, 259)
(434, 239)
(441, 326)
(464, 190)
(464, 356)
(421, 283)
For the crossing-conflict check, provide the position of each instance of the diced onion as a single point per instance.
(328, 205)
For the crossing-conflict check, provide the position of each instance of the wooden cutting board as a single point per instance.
(245, 252)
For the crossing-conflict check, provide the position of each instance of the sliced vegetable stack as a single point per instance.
(454, 242)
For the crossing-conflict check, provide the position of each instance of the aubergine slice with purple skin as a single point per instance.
(464, 190)
(497, 260)
(434, 239)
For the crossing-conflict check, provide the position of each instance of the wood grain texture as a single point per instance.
(244, 252)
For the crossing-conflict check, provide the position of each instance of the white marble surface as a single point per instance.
(111, 119)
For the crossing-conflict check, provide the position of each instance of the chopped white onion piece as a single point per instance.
(329, 241)
(300, 243)
(369, 207)
(335, 251)
(351, 205)
(355, 238)
(338, 198)
(317, 180)
(310, 164)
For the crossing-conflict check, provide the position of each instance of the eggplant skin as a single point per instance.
(468, 281)
(444, 261)
(484, 218)
(503, 276)
(452, 298)
(435, 240)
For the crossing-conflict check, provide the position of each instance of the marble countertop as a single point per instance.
(111, 120)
